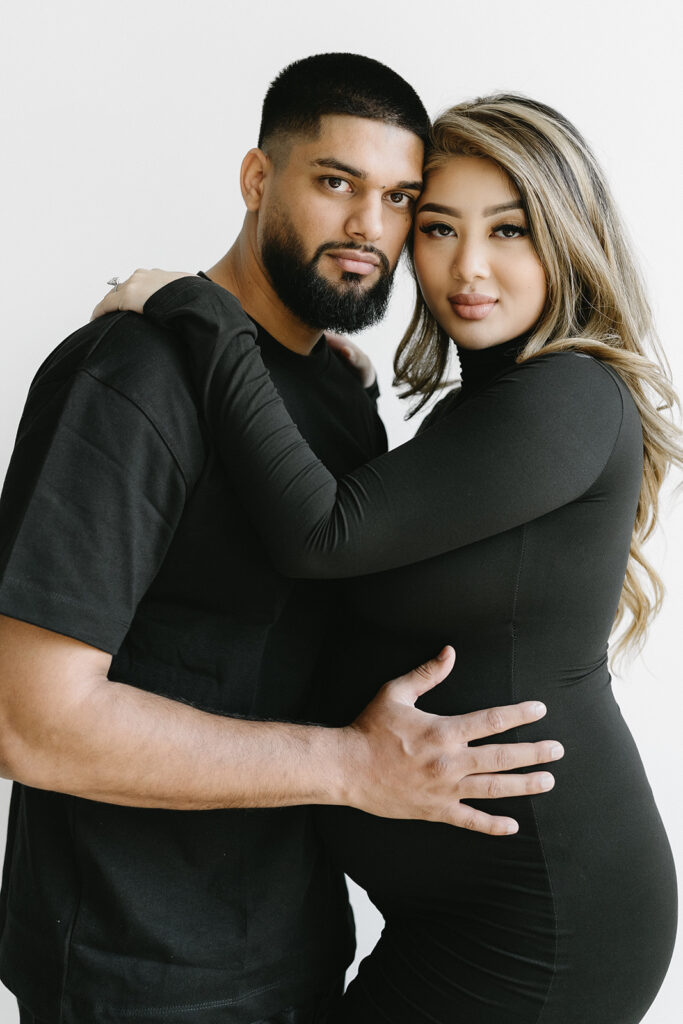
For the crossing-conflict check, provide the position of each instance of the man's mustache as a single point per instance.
(326, 246)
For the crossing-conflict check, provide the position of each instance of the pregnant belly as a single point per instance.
(598, 822)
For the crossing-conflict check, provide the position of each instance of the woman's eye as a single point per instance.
(437, 230)
(511, 231)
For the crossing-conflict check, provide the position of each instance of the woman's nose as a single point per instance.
(470, 260)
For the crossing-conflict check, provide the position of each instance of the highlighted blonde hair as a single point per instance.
(596, 301)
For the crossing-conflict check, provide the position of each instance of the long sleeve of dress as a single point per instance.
(534, 439)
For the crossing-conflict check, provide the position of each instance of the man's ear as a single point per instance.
(256, 167)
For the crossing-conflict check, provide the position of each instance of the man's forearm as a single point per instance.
(126, 746)
(64, 726)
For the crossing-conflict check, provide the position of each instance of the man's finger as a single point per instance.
(478, 821)
(496, 786)
(406, 689)
(501, 757)
(478, 724)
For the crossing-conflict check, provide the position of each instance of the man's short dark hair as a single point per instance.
(338, 83)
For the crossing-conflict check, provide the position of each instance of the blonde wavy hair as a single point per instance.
(596, 301)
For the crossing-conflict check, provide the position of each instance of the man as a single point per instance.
(161, 861)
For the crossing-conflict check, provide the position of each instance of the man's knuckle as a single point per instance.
(494, 789)
(438, 767)
(470, 822)
(436, 734)
(495, 720)
(502, 757)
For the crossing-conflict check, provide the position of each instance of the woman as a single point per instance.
(505, 528)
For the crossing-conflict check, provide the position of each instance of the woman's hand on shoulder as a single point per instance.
(355, 357)
(132, 294)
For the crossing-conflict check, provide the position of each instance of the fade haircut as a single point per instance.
(338, 83)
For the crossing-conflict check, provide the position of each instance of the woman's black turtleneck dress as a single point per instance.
(503, 529)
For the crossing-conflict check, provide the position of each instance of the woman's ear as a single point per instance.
(256, 166)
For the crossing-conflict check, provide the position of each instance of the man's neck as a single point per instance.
(242, 274)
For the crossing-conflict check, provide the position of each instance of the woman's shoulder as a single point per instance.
(441, 409)
(570, 377)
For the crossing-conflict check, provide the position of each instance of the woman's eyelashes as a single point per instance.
(437, 230)
(511, 231)
(440, 230)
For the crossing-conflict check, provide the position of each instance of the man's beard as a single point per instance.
(317, 302)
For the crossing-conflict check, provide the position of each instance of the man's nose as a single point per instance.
(365, 220)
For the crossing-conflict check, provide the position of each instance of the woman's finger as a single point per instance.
(109, 304)
(354, 356)
(135, 290)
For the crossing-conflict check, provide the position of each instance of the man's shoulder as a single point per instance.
(121, 349)
(140, 361)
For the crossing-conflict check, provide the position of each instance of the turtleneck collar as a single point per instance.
(479, 366)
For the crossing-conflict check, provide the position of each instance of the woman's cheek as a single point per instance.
(426, 270)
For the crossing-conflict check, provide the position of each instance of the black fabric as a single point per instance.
(119, 527)
(503, 529)
(316, 1011)
(26, 1017)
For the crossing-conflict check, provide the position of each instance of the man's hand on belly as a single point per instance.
(65, 726)
(405, 763)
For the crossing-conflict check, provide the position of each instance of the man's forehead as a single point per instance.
(362, 147)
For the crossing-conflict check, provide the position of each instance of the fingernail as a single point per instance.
(443, 655)
(538, 709)
(511, 828)
(547, 781)
(556, 751)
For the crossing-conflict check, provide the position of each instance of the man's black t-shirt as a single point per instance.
(120, 528)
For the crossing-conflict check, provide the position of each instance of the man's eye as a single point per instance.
(337, 184)
(400, 199)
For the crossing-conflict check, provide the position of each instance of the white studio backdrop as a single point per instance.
(123, 126)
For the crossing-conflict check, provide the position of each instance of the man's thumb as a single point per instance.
(425, 677)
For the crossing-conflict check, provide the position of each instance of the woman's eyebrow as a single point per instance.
(490, 211)
(515, 204)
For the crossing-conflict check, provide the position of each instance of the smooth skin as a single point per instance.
(472, 240)
(65, 726)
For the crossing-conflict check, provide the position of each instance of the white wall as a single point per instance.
(122, 127)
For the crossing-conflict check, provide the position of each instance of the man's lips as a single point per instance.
(355, 262)
(472, 305)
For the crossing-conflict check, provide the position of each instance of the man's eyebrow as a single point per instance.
(331, 161)
(337, 165)
(490, 211)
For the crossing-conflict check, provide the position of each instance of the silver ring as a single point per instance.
(114, 282)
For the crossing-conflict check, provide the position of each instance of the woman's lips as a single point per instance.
(472, 305)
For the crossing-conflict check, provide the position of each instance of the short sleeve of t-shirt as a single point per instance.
(90, 503)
